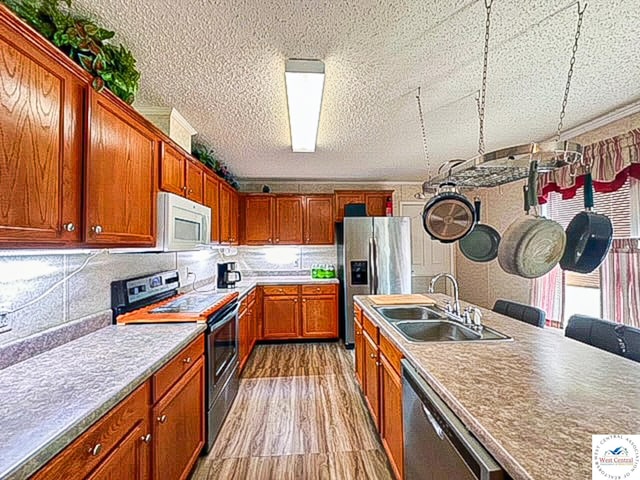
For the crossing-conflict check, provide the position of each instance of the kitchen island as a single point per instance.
(535, 401)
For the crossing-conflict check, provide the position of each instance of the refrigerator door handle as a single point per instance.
(370, 269)
(374, 265)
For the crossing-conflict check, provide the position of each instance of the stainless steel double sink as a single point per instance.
(432, 324)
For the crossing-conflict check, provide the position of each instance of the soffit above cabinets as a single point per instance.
(221, 64)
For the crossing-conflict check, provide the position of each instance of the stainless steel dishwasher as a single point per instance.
(437, 446)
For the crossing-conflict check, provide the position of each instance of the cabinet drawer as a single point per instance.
(370, 327)
(280, 290)
(172, 371)
(93, 446)
(318, 289)
(391, 352)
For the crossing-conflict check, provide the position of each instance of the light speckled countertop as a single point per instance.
(50, 399)
(533, 402)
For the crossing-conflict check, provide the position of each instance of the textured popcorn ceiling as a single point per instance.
(221, 64)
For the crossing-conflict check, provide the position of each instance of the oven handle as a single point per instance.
(226, 319)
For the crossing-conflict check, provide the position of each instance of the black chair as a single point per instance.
(525, 313)
(613, 337)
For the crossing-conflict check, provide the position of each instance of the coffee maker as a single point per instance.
(228, 276)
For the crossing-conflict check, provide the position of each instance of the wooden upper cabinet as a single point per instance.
(41, 121)
(172, 170)
(346, 198)
(120, 180)
(258, 219)
(319, 225)
(211, 187)
(179, 426)
(377, 203)
(194, 175)
(228, 214)
(288, 220)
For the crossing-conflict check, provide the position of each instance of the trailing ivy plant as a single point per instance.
(85, 42)
(208, 157)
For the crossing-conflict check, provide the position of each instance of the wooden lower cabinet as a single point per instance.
(378, 370)
(139, 441)
(300, 312)
(178, 426)
(281, 317)
(319, 316)
(391, 414)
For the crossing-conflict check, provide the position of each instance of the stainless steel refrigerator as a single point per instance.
(374, 258)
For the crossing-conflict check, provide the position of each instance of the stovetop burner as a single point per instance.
(191, 303)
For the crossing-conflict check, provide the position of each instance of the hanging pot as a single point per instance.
(589, 236)
(449, 215)
(531, 246)
(481, 244)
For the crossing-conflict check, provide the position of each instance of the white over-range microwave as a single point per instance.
(182, 224)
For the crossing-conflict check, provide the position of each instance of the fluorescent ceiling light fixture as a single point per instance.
(305, 81)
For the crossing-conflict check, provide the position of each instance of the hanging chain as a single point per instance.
(570, 74)
(482, 93)
(424, 134)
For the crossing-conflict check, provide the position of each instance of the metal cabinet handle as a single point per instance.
(96, 449)
(146, 438)
(97, 229)
(434, 423)
(186, 360)
(69, 227)
(162, 418)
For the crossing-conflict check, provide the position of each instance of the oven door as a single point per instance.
(222, 350)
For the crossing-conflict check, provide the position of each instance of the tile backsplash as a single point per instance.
(88, 292)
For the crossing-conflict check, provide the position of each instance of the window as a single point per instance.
(583, 293)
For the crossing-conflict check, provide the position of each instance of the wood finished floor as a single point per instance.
(298, 415)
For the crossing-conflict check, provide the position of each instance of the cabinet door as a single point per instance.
(234, 216)
(371, 377)
(224, 220)
(258, 219)
(41, 122)
(391, 414)
(172, 168)
(243, 332)
(129, 460)
(211, 200)
(318, 220)
(320, 316)
(120, 185)
(195, 183)
(288, 220)
(376, 204)
(281, 317)
(343, 199)
(178, 426)
(359, 353)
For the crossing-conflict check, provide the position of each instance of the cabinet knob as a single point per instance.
(69, 227)
(186, 360)
(295, 301)
(96, 229)
(146, 438)
(318, 289)
(190, 190)
(184, 189)
(270, 241)
(378, 364)
(372, 355)
(96, 449)
(162, 418)
(304, 300)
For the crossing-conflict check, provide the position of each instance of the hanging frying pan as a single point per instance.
(481, 244)
(448, 216)
(531, 246)
(589, 236)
